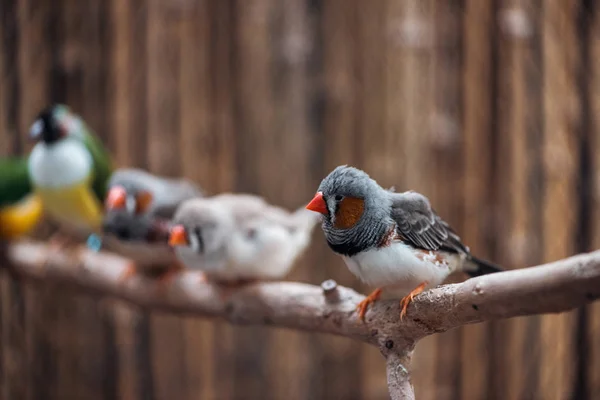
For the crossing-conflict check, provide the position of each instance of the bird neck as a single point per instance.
(366, 234)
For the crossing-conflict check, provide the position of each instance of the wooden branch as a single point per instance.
(398, 375)
(550, 288)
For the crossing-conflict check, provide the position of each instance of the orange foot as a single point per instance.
(409, 297)
(364, 305)
(129, 271)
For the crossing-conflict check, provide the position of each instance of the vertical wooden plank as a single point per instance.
(98, 358)
(200, 155)
(137, 76)
(520, 123)
(409, 104)
(378, 147)
(118, 116)
(593, 314)
(14, 376)
(33, 64)
(10, 36)
(341, 115)
(223, 126)
(121, 58)
(294, 134)
(560, 149)
(257, 153)
(477, 127)
(86, 341)
(132, 147)
(162, 102)
(445, 136)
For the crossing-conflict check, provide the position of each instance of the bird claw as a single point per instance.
(363, 306)
(406, 300)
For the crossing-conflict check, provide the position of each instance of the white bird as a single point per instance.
(239, 237)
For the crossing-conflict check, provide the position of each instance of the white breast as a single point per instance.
(398, 268)
(60, 164)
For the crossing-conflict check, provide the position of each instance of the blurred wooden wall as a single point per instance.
(488, 107)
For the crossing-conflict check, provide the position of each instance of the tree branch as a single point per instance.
(398, 376)
(550, 288)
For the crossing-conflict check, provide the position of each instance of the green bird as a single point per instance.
(69, 169)
(20, 208)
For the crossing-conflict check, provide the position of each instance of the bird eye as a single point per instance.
(338, 197)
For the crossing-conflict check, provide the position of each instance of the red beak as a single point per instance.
(317, 204)
(178, 236)
(116, 198)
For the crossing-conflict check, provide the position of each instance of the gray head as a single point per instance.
(128, 198)
(355, 209)
(128, 218)
(201, 225)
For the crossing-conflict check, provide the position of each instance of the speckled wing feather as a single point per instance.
(419, 225)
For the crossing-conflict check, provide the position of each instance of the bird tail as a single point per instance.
(476, 267)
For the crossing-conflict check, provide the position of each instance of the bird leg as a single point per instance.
(406, 300)
(364, 305)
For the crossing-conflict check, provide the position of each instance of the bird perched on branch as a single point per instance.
(69, 169)
(234, 238)
(20, 208)
(392, 241)
(139, 207)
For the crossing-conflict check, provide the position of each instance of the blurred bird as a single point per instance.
(393, 241)
(234, 238)
(139, 207)
(20, 208)
(69, 168)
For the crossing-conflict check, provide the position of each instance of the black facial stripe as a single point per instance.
(198, 234)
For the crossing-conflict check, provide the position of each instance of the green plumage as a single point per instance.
(14, 180)
(102, 163)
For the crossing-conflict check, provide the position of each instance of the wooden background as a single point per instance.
(491, 108)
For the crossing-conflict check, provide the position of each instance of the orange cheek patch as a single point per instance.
(143, 201)
(349, 212)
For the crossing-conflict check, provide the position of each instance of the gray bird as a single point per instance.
(236, 237)
(136, 224)
(392, 241)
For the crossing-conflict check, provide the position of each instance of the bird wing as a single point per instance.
(419, 225)
(168, 193)
(14, 180)
(102, 163)
(244, 207)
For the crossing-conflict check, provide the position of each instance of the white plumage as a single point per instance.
(398, 268)
(61, 164)
(242, 237)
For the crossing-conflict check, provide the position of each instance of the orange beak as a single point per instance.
(178, 236)
(317, 204)
(116, 198)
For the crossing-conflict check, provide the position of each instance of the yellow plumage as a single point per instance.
(75, 205)
(20, 218)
